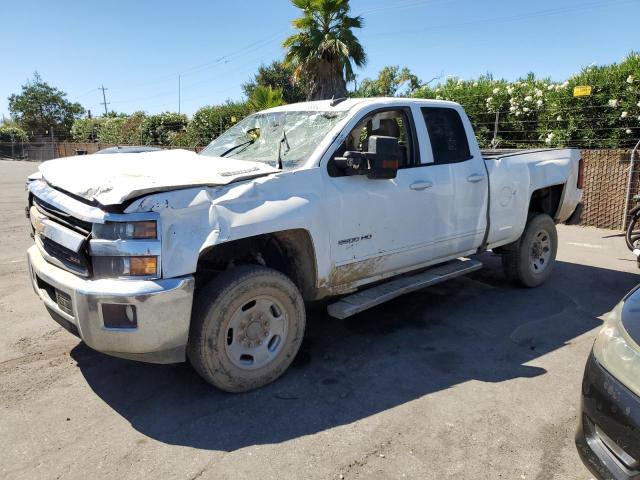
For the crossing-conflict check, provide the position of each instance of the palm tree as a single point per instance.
(325, 49)
(265, 97)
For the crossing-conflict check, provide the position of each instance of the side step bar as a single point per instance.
(384, 292)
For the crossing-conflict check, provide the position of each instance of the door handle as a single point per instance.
(475, 178)
(421, 185)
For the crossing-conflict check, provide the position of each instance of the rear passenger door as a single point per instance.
(458, 169)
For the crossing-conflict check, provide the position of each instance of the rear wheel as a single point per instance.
(246, 328)
(530, 261)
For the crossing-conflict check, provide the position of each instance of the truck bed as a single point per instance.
(493, 153)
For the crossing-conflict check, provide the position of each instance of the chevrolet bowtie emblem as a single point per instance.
(37, 220)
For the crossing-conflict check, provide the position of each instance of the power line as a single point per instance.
(523, 16)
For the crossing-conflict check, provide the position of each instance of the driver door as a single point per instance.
(379, 227)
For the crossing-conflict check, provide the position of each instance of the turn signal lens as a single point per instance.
(118, 267)
(145, 229)
(142, 266)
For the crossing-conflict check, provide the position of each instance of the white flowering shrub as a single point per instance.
(540, 112)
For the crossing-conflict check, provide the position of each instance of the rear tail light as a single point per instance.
(580, 174)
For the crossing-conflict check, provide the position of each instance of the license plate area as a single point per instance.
(62, 299)
(64, 302)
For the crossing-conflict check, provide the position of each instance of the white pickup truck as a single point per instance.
(169, 255)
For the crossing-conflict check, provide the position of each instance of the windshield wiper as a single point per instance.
(243, 144)
(286, 142)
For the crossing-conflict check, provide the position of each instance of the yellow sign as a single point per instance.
(582, 91)
(233, 119)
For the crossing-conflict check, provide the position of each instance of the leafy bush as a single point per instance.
(9, 133)
(110, 130)
(159, 129)
(86, 129)
(132, 129)
(209, 122)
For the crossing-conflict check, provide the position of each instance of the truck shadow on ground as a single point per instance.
(472, 328)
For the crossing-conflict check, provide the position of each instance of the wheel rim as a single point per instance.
(256, 333)
(540, 254)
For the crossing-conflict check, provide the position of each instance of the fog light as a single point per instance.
(115, 315)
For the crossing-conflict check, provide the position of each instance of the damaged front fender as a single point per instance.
(194, 220)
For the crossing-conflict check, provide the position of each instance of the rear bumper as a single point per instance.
(608, 436)
(163, 311)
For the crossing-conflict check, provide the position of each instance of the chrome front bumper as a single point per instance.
(163, 311)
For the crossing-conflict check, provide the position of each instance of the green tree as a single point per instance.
(325, 49)
(265, 97)
(278, 75)
(388, 83)
(40, 107)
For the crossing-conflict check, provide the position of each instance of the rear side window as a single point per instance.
(446, 132)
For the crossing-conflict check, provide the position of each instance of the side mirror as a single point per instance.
(384, 157)
(381, 161)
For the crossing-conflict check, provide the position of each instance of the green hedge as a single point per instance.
(209, 122)
(12, 134)
(167, 128)
(533, 111)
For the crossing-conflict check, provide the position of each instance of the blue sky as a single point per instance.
(138, 48)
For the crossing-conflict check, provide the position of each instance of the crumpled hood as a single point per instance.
(112, 179)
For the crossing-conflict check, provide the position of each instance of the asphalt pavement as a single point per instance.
(472, 379)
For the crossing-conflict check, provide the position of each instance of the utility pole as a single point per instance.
(178, 93)
(494, 142)
(53, 143)
(104, 99)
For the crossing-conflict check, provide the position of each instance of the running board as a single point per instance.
(384, 292)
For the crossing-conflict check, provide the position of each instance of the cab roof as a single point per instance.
(349, 103)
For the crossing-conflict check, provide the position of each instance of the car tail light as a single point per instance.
(580, 174)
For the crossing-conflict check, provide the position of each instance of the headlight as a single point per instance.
(617, 352)
(144, 230)
(113, 267)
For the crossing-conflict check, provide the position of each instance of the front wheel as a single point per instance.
(531, 259)
(246, 328)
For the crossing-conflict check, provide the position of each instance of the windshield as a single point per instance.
(260, 136)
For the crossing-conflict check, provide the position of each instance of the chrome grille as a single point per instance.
(61, 217)
(77, 262)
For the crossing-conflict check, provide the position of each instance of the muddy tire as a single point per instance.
(530, 261)
(246, 328)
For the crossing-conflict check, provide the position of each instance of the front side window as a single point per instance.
(260, 136)
(388, 123)
(447, 135)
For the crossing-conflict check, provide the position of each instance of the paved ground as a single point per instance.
(472, 379)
